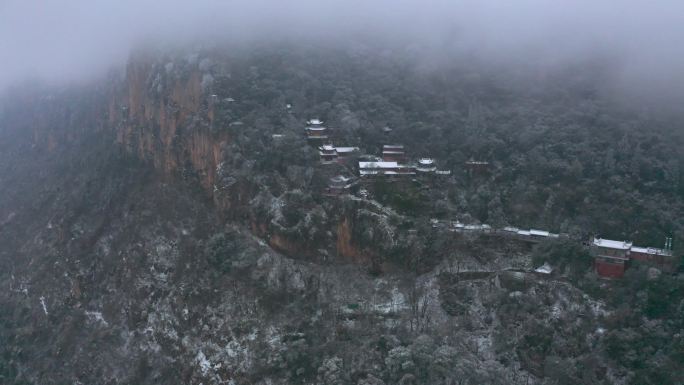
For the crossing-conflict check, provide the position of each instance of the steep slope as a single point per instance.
(153, 230)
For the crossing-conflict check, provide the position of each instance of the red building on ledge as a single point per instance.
(610, 257)
(663, 259)
(393, 153)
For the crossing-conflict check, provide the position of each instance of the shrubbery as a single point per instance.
(220, 250)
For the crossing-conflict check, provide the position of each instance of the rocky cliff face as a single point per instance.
(152, 230)
(167, 117)
(164, 113)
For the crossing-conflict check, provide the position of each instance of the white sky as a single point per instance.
(65, 40)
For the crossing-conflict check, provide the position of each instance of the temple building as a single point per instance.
(344, 154)
(328, 153)
(426, 165)
(338, 185)
(661, 258)
(610, 257)
(390, 169)
(331, 154)
(393, 153)
(315, 130)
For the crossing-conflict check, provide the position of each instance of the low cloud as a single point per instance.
(71, 40)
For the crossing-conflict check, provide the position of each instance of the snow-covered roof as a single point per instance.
(477, 227)
(340, 178)
(384, 152)
(511, 229)
(383, 172)
(539, 233)
(316, 128)
(363, 165)
(610, 244)
(327, 147)
(443, 172)
(523, 232)
(426, 161)
(392, 147)
(651, 250)
(315, 122)
(346, 149)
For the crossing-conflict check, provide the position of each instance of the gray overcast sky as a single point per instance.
(65, 40)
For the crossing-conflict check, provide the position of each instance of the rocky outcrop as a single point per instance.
(168, 118)
(163, 112)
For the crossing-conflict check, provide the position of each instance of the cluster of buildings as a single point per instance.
(531, 235)
(316, 132)
(394, 163)
(611, 258)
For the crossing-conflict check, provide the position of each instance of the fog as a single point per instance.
(61, 41)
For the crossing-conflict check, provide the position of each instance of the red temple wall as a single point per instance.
(609, 270)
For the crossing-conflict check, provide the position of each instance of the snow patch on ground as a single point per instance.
(42, 302)
(597, 307)
(396, 302)
(96, 316)
(203, 363)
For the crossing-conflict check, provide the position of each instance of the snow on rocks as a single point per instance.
(96, 317)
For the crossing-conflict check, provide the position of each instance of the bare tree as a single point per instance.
(419, 302)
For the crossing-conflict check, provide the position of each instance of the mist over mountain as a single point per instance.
(341, 192)
(74, 40)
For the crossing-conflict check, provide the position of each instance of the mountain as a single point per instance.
(172, 224)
